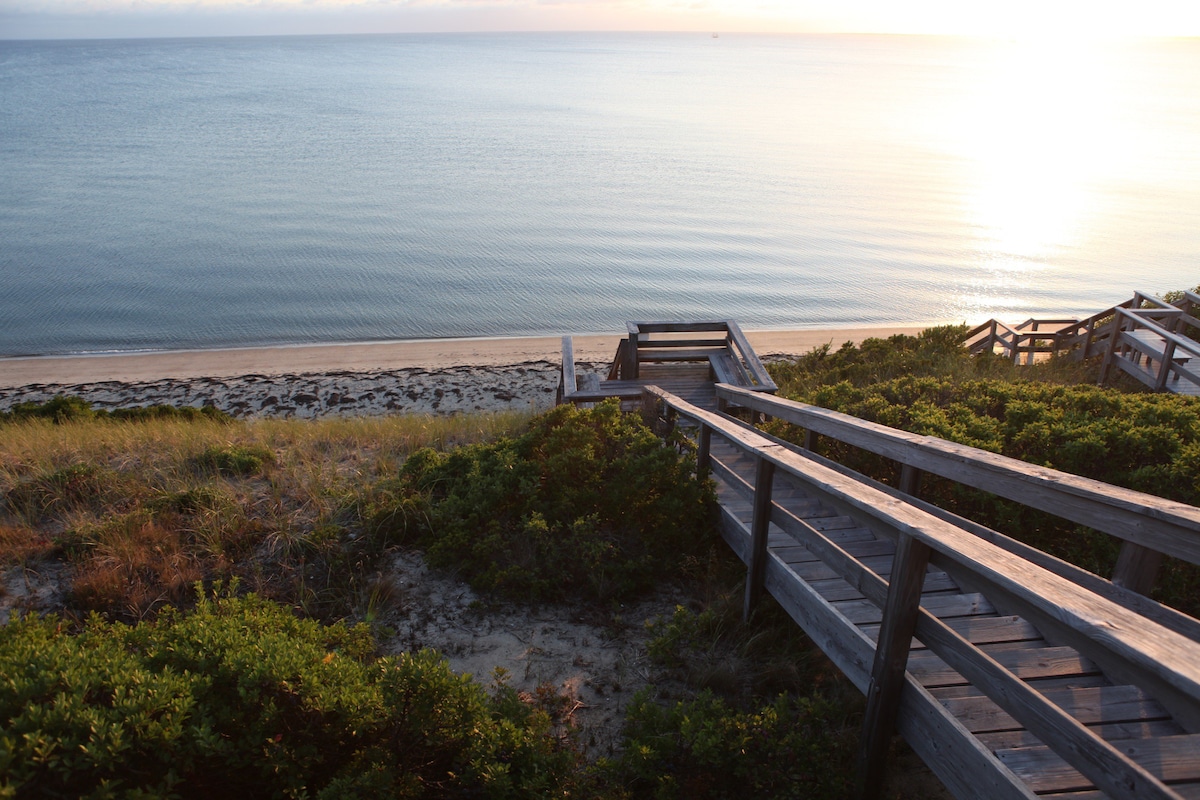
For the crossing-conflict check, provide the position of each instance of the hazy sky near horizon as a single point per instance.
(22, 19)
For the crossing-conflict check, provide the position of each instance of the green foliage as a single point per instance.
(587, 503)
(714, 649)
(235, 459)
(68, 408)
(1175, 295)
(240, 698)
(1147, 442)
(793, 747)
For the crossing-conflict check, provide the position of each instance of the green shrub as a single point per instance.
(69, 408)
(240, 698)
(235, 459)
(793, 747)
(60, 409)
(587, 503)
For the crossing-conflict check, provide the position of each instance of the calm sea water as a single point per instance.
(223, 192)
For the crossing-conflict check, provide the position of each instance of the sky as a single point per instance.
(54, 19)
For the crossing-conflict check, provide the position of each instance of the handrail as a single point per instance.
(1191, 345)
(1169, 363)
(1107, 631)
(1161, 525)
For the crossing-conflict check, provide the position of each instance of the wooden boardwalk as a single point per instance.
(1145, 337)
(1011, 673)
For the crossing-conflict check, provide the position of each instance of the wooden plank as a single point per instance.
(1089, 705)
(1186, 791)
(861, 549)
(983, 630)
(722, 367)
(966, 767)
(678, 326)
(1038, 684)
(653, 356)
(865, 612)
(1114, 732)
(1170, 758)
(1106, 767)
(848, 649)
(837, 589)
(644, 341)
(816, 570)
(1034, 662)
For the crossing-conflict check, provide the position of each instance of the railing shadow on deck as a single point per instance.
(1111, 623)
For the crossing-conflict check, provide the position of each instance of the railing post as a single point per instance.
(756, 570)
(631, 357)
(704, 452)
(1137, 567)
(1164, 369)
(910, 480)
(1115, 337)
(810, 440)
(891, 659)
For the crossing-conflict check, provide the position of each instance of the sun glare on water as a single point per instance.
(1036, 138)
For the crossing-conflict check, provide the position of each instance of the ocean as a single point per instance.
(205, 193)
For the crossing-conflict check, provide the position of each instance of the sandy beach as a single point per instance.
(440, 376)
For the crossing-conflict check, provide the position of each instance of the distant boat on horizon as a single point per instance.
(715, 36)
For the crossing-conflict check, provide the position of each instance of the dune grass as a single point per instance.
(142, 509)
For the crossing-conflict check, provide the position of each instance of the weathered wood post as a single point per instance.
(1137, 567)
(704, 451)
(891, 658)
(910, 480)
(764, 479)
(1164, 369)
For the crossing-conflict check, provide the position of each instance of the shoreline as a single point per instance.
(429, 354)
(436, 376)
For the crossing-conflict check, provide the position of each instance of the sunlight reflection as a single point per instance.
(1036, 138)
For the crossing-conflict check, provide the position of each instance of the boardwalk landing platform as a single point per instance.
(687, 358)
(1011, 673)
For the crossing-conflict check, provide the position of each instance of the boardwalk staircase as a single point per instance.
(1013, 674)
(1154, 341)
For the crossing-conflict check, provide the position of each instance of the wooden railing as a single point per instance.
(1148, 526)
(1133, 335)
(1030, 338)
(732, 357)
(1145, 337)
(1117, 629)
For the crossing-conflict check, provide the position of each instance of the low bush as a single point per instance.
(235, 459)
(68, 408)
(792, 747)
(586, 503)
(239, 698)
